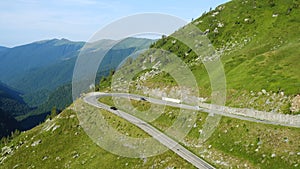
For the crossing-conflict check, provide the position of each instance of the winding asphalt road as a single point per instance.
(92, 99)
(197, 108)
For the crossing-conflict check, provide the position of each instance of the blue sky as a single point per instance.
(25, 21)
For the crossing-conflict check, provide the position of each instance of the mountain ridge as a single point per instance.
(39, 86)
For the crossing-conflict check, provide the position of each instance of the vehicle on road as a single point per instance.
(113, 108)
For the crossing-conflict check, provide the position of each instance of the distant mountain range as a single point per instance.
(40, 72)
(20, 59)
(46, 65)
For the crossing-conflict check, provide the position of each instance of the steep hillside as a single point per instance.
(8, 124)
(59, 99)
(258, 42)
(11, 102)
(62, 143)
(11, 105)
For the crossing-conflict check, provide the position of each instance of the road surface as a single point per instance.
(197, 108)
(92, 99)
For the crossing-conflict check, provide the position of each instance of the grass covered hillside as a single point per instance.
(62, 143)
(258, 42)
(11, 102)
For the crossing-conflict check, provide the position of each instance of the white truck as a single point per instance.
(171, 100)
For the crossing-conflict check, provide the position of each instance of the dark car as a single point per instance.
(113, 108)
(143, 99)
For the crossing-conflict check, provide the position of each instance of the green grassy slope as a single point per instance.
(258, 42)
(259, 46)
(62, 143)
(235, 142)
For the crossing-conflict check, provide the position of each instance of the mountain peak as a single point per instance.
(57, 42)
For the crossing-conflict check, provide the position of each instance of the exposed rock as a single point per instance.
(76, 156)
(170, 167)
(55, 127)
(16, 166)
(36, 143)
(216, 30)
(201, 99)
(295, 106)
(2, 159)
(83, 162)
(220, 8)
(291, 153)
(57, 159)
(215, 14)
(206, 31)
(49, 126)
(198, 22)
(6, 150)
(72, 116)
(220, 25)
(200, 131)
